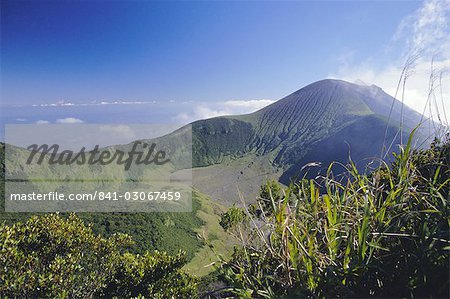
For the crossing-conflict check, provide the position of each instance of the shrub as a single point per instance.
(232, 218)
(50, 256)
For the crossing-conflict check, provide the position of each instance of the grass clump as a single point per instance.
(385, 234)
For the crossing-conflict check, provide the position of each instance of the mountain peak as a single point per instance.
(306, 116)
(339, 97)
(327, 98)
(324, 121)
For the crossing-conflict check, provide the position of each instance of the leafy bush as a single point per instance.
(385, 234)
(49, 256)
(150, 231)
(232, 218)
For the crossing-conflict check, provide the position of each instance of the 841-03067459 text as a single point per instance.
(100, 196)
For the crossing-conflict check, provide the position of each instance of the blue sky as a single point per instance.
(196, 52)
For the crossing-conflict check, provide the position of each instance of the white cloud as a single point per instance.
(93, 103)
(69, 120)
(42, 122)
(430, 25)
(205, 110)
(425, 36)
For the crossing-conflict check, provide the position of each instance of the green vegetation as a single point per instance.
(385, 234)
(216, 240)
(349, 234)
(151, 231)
(50, 256)
(168, 231)
(216, 138)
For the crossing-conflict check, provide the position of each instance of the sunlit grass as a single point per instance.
(384, 233)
